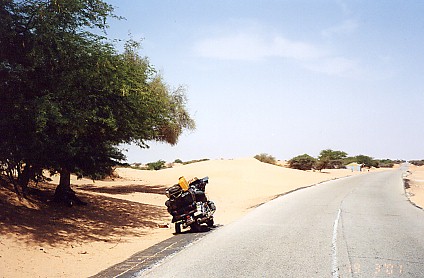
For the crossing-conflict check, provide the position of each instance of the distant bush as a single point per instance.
(302, 162)
(387, 163)
(266, 158)
(195, 161)
(368, 161)
(178, 161)
(417, 162)
(384, 163)
(156, 165)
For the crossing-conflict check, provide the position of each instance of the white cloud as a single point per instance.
(257, 45)
(236, 47)
(251, 46)
(282, 47)
(346, 27)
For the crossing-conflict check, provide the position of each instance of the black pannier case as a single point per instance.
(174, 191)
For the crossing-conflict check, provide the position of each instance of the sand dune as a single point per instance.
(124, 214)
(237, 185)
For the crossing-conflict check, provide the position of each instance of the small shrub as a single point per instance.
(385, 165)
(156, 165)
(266, 158)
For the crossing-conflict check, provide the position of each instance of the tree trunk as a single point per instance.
(64, 193)
(24, 177)
(65, 179)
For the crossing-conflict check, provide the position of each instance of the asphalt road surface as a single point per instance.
(363, 226)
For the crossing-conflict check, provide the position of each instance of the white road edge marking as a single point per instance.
(334, 267)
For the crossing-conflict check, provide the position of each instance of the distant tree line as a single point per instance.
(161, 164)
(331, 159)
(417, 162)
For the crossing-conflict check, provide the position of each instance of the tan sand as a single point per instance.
(415, 181)
(124, 215)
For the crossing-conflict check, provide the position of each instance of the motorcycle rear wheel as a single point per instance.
(210, 223)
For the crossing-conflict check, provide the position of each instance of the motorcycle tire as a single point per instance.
(178, 228)
(210, 223)
(195, 227)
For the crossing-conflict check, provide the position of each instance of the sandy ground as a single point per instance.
(127, 215)
(415, 180)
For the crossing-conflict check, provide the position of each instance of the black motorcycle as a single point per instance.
(190, 208)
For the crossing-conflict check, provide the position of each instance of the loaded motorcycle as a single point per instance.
(188, 205)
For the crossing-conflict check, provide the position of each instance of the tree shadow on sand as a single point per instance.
(103, 219)
(123, 189)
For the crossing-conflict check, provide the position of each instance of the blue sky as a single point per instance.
(286, 77)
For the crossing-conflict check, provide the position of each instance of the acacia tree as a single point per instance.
(17, 113)
(74, 95)
(302, 162)
(366, 161)
(330, 159)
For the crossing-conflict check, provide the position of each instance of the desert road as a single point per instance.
(362, 226)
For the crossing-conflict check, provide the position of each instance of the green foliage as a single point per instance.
(332, 155)
(156, 165)
(329, 159)
(349, 159)
(302, 162)
(44, 47)
(384, 163)
(66, 91)
(266, 158)
(178, 161)
(366, 161)
(322, 164)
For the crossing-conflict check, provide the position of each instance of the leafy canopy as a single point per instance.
(302, 162)
(69, 98)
